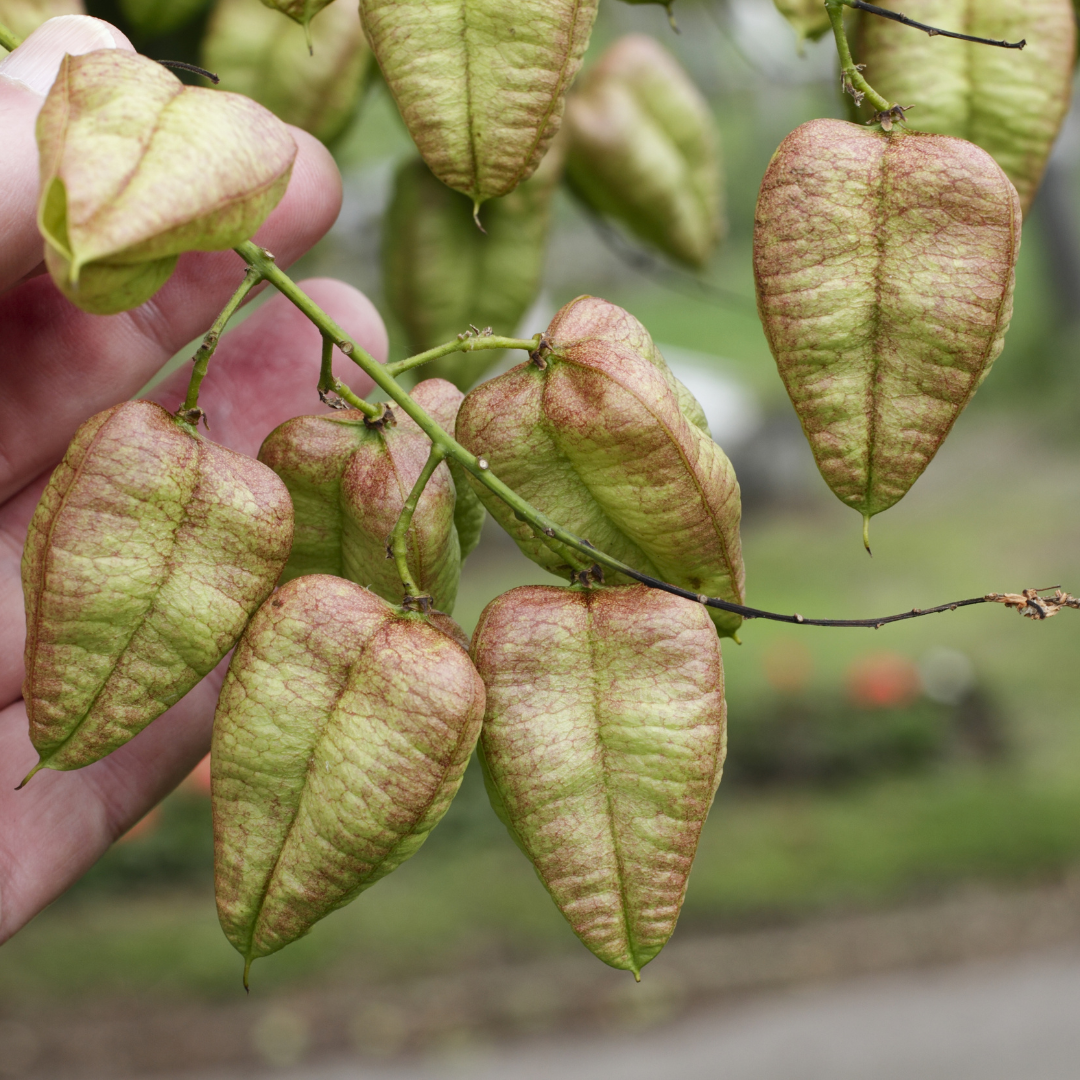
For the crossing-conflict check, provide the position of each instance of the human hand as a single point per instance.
(59, 366)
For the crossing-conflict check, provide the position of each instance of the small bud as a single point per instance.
(137, 168)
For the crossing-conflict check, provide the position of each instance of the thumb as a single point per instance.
(25, 77)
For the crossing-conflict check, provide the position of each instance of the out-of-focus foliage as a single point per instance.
(441, 273)
(255, 53)
(154, 18)
(23, 17)
(643, 149)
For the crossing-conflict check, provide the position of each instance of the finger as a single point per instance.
(267, 369)
(61, 823)
(61, 363)
(25, 78)
(14, 517)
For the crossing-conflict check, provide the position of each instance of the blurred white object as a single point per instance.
(731, 408)
(947, 675)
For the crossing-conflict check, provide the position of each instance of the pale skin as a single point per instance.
(59, 366)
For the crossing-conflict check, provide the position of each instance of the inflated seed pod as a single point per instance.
(808, 17)
(300, 11)
(148, 552)
(152, 18)
(441, 274)
(349, 480)
(606, 442)
(23, 17)
(480, 84)
(884, 267)
(642, 148)
(602, 747)
(1010, 102)
(255, 53)
(185, 169)
(342, 732)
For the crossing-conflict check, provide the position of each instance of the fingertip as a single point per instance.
(36, 61)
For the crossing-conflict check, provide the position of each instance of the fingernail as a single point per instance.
(36, 61)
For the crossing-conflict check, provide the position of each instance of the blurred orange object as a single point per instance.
(142, 828)
(788, 665)
(197, 782)
(883, 680)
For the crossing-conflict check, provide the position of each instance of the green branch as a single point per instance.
(8, 40)
(398, 546)
(851, 74)
(190, 411)
(524, 511)
(465, 343)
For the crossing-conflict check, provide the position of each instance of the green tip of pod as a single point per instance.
(866, 534)
(247, 973)
(31, 774)
(476, 216)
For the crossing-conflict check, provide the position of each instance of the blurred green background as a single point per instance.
(866, 768)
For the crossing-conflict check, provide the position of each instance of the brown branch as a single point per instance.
(933, 31)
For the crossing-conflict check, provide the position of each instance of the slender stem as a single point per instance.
(399, 547)
(330, 384)
(465, 343)
(854, 82)
(326, 371)
(479, 468)
(8, 40)
(933, 31)
(213, 335)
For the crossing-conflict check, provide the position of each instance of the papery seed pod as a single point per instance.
(808, 17)
(153, 18)
(599, 440)
(442, 274)
(602, 746)
(884, 267)
(342, 732)
(255, 53)
(300, 11)
(480, 84)
(23, 17)
(1009, 102)
(642, 148)
(349, 481)
(181, 168)
(147, 554)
